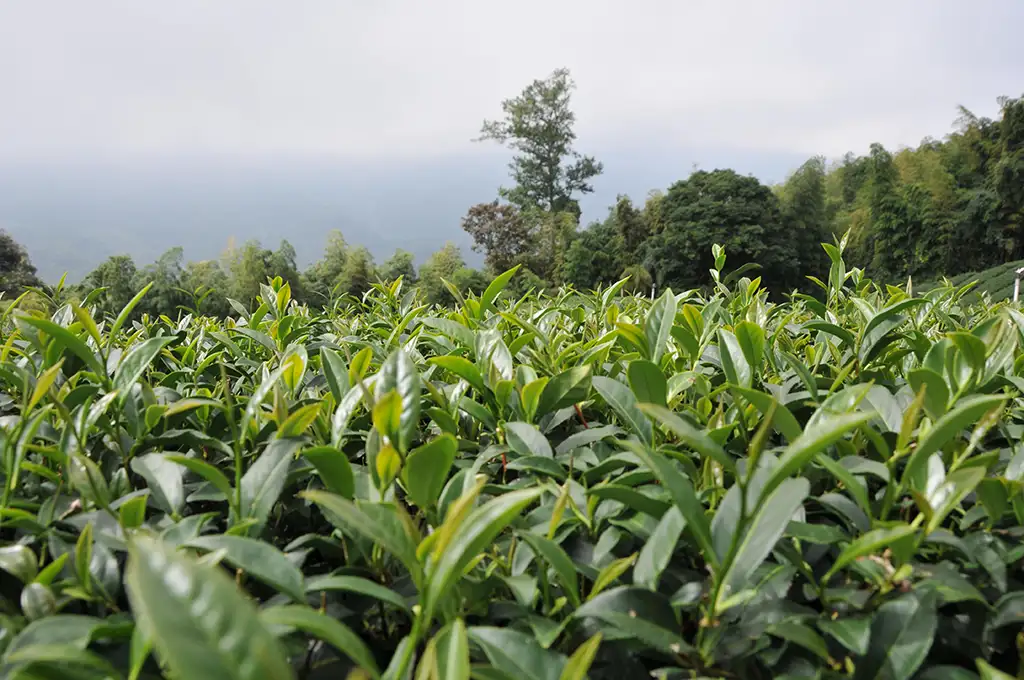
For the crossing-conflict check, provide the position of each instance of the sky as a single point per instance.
(107, 93)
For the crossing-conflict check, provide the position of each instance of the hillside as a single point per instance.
(997, 281)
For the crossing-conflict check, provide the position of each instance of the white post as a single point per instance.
(1016, 285)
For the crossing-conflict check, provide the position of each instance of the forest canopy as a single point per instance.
(941, 209)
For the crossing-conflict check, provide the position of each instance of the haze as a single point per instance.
(133, 127)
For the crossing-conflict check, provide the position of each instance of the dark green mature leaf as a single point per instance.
(463, 368)
(647, 382)
(685, 499)
(356, 584)
(638, 613)
(164, 479)
(737, 369)
(658, 325)
(689, 435)
(452, 329)
(136, 361)
(517, 654)
(200, 624)
(208, 472)
(66, 660)
(869, 543)
(322, 627)
(426, 469)
(263, 483)
(565, 389)
(657, 551)
(761, 535)
(336, 373)
(473, 535)
(379, 523)
(258, 558)
(527, 440)
(946, 428)
(751, 339)
(19, 561)
(554, 555)
(902, 631)
(936, 391)
(624, 403)
(814, 440)
(852, 632)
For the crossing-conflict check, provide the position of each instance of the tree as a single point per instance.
(538, 126)
(248, 268)
(165, 296)
(502, 233)
(595, 256)
(441, 265)
(358, 274)
(723, 207)
(119, 276)
(16, 269)
(1008, 177)
(467, 279)
(207, 285)
(323, 275)
(399, 265)
(282, 262)
(632, 228)
(893, 231)
(805, 215)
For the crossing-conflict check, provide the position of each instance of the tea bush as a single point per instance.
(586, 485)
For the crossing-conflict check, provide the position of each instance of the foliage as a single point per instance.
(575, 485)
(16, 269)
(400, 265)
(538, 125)
(727, 208)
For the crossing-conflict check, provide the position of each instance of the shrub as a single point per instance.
(547, 487)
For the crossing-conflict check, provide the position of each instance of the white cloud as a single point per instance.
(415, 79)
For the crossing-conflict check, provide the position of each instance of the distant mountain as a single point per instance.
(72, 215)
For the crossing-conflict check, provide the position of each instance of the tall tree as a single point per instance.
(1008, 177)
(805, 215)
(632, 228)
(538, 126)
(726, 208)
(893, 231)
(323, 275)
(207, 285)
(502, 233)
(595, 256)
(358, 274)
(248, 267)
(119, 276)
(399, 265)
(441, 265)
(166, 295)
(16, 269)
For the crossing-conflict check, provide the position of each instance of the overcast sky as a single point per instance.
(413, 79)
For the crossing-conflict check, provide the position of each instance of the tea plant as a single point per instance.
(709, 484)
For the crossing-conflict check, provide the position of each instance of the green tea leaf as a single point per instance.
(322, 627)
(426, 469)
(258, 558)
(200, 624)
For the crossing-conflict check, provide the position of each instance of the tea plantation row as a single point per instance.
(597, 485)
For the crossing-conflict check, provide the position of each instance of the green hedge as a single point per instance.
(586, 485)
